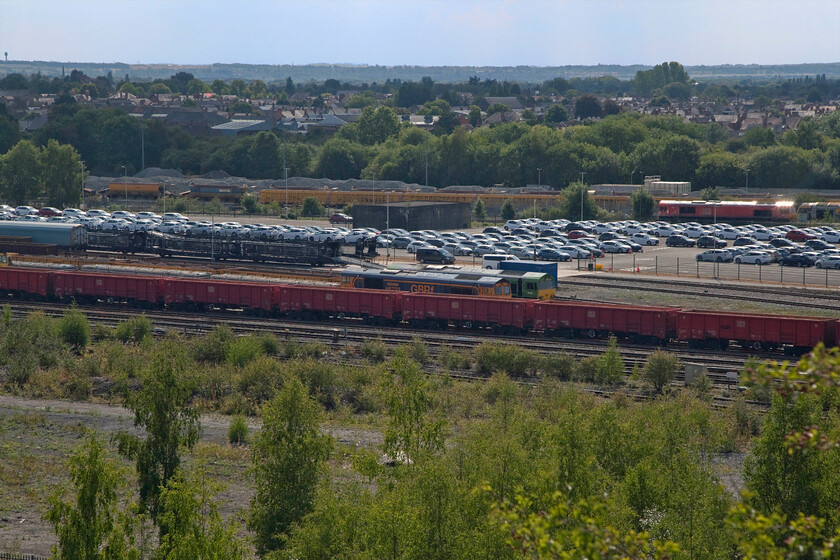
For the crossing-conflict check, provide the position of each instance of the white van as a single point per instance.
(492, 261)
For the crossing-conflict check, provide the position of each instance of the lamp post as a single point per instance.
(747, 172)
(286, 182)
(125, 186)
(82, 193)
(632, 173)
(539, 177)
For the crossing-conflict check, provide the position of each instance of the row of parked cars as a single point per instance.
(178, 224)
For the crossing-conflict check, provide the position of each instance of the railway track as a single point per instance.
(827, 301)
(720, 365)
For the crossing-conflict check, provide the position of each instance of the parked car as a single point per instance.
(169, 227)
(680, 241)
(715, 255)
(743, 241)
(708, 241)
(799, 235)
(49, 211)
(755, 257)
(796, 259)
(339, 218)
(553, 255)
(829, 262)
(644, 239)
(25, 211)
(818, 245)
(615, 247)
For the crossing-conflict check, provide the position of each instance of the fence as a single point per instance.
(16, 556)
(666, 266)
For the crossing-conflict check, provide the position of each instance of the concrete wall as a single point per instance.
(413, 215)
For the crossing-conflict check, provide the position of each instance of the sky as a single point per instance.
(422, 32)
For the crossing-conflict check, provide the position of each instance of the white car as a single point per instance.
(121, 214)
(754, 257)
(829, 262)
(575, 251)
(830, 236)
(765, 234)
(97, 214)
(695, 232)
(73, 212)
(147, 216)
(171, 217)
(113, 224)
(613, 246)
(644, 239)
(171, 227)
(232, 229)
(414, 245)
(202, 229)
(326, 235)
(25, 211)
(143, 225)
(666, 231)
(357, 234)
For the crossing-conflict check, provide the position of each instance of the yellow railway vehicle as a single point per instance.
(118, 188)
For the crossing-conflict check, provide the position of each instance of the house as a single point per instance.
(511, 103)
(242, 126)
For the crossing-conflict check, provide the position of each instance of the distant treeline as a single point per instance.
(357, 73)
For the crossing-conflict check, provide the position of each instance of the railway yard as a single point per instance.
(714, 317)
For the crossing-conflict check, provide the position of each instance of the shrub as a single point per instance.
(561, 366)
(213, 347)
(134, 330)
(243, 350)
(450, 358)
(75, 329)
(293, 349)
(660, 369)
(586, 370)
(373, 350)
(312, 207)
(78, 388)
(417, 351)
(270, 344)
(509, 358)
(610, 365)
(260, 379)
(238, 431)
(702, 385)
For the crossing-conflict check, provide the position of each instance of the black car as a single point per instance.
(553, 255)
(550, 233)
(709, 242)
(780, 242)
(679, 241)
(608, 236)
(818, 245)
(796, 259)
(741, 241)
(493, 229)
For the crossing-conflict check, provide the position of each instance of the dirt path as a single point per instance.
(38, 436)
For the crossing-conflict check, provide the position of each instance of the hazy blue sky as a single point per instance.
(422, 32)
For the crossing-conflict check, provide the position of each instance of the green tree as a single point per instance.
(159, 88)
(610, 365)
(475, 116)
(760, 136)
(219, 87)
(264, 159)
(191, 525)
(249, 203)
(20, 173)
(556, 114)
(75, 329)
(377, 125)
(414, 428)
(508, 211)
(163, 409)
(573, 196)
(361, 100)
(312, 207)
(718, 169)
(587, 106)
(710, 193)
(62, 174)
(643, 204)
(288, 457)
(9, 131)
(91, 527)
(661, 368)
(478, 211)
(196, 86)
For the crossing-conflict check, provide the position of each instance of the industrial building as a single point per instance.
(413, 215)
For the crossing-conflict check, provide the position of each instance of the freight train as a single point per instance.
(638, 324)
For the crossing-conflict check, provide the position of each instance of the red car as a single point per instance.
(578, 234)
(799, 235)
(48, 211)
(340, 218)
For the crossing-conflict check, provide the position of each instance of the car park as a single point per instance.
(715, 255)
(680, 241)
(754, 257)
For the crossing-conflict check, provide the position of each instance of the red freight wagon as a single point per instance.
(797, 334)
(26, 282)
(250, 296)
(180, 292)
(80, 285)
(466, 311)
(338, 302)
(593, 320)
